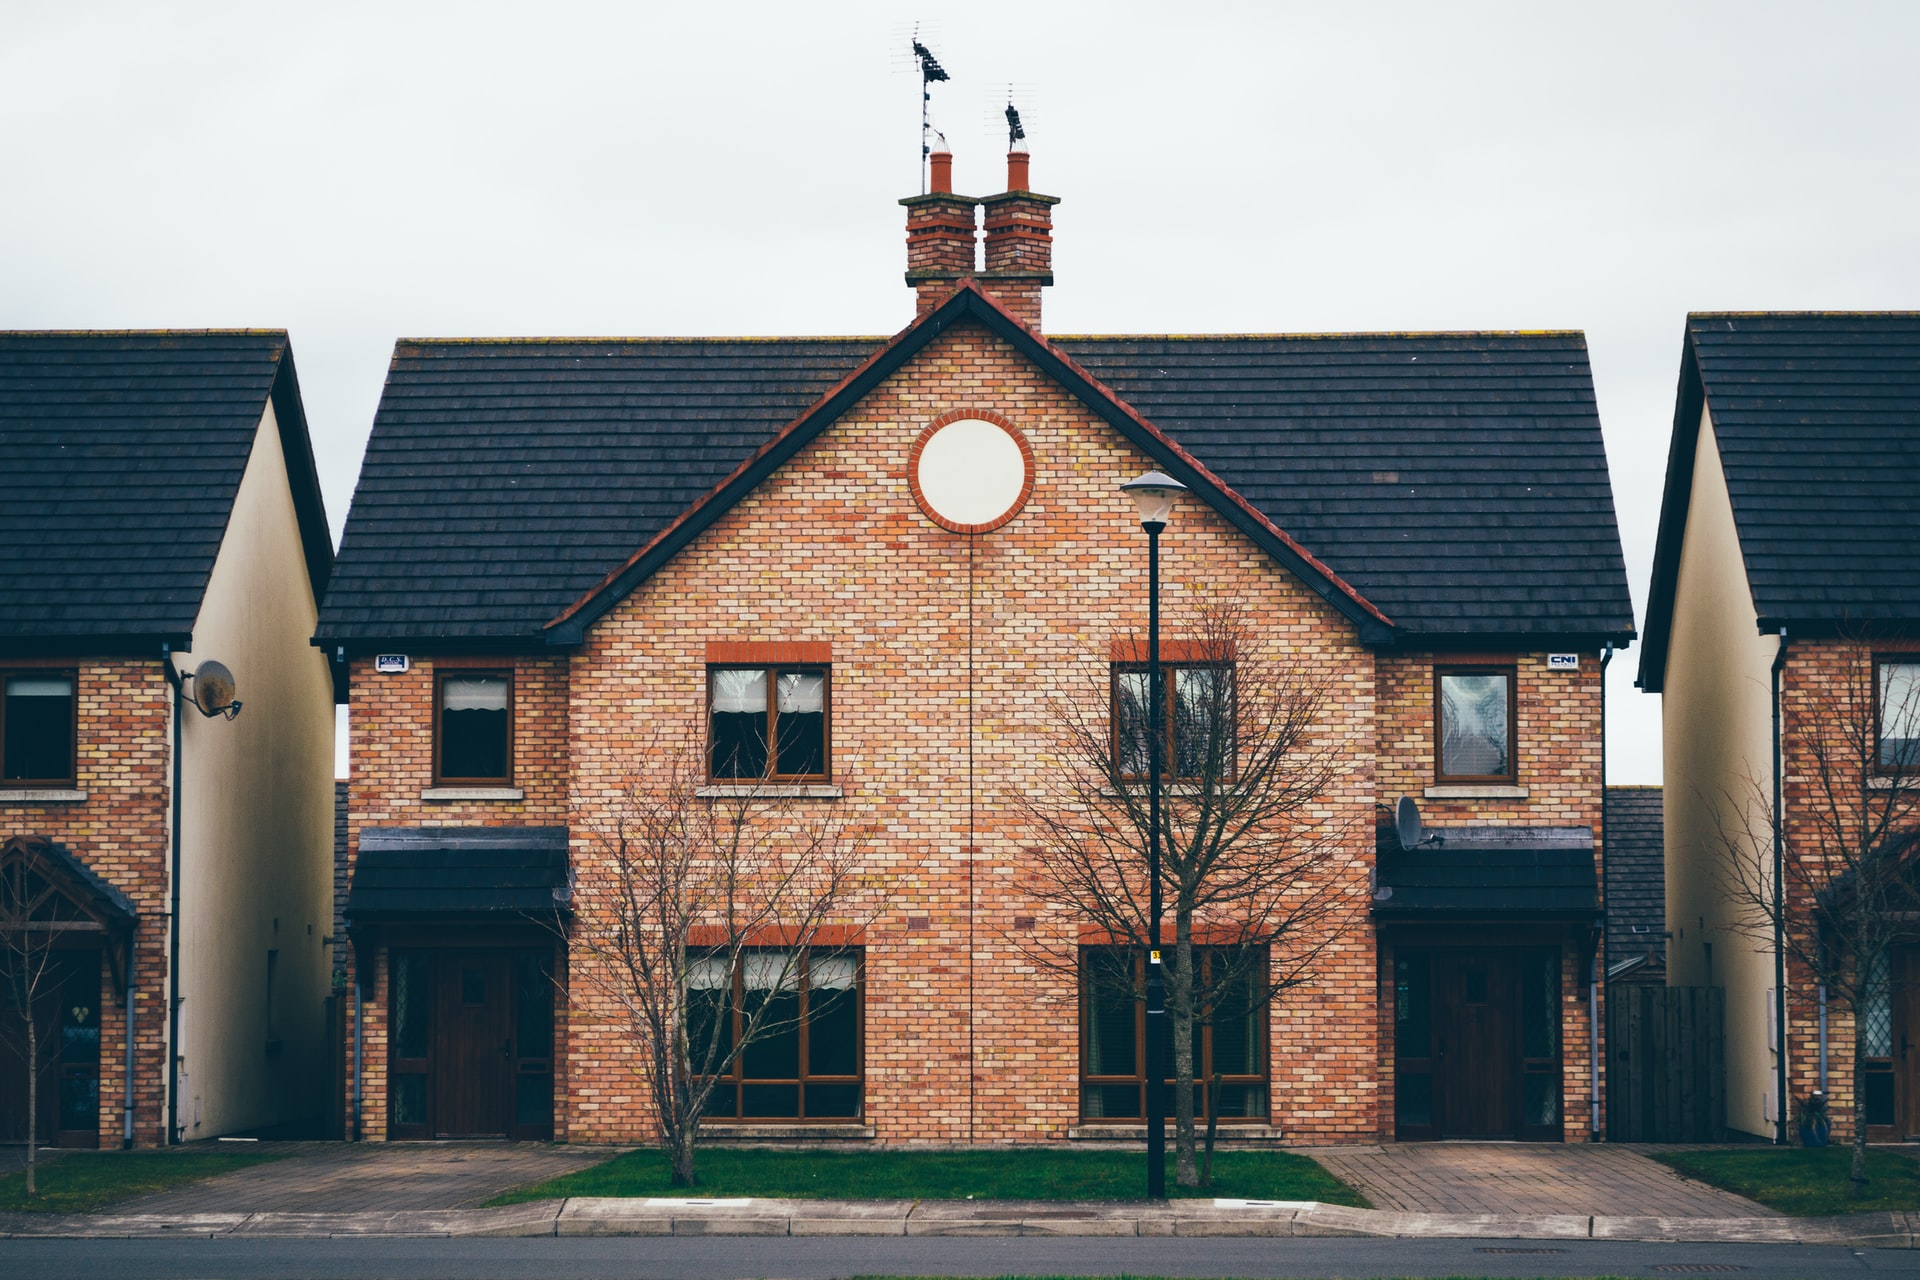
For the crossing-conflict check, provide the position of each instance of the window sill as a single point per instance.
(769, 791)
(473, 793)
(1475, 791)
(803, 1131)
(38, 795)
(1136, 1132)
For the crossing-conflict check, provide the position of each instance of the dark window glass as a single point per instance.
(800, 700)
(767, 723)
(412, 995)
(533, 1006)
(1196, 720)
(37, 726)
(532, 1100)
(806, 1061)
(1879, 1097)
(1475, 725)
(1899, 716)
(1229, 1041)
(410, 1099)
(1412, 1008)
(474, 727)
(80, 1100)
(1540, 1007)
(1413, 1100)
(1540, 1101)
(739, 724)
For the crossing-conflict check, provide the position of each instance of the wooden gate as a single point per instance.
(1666, 1064)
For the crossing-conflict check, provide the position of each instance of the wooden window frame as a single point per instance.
(773, 671)
(1169, 692)
(1083, 1080)
(736, 1079)
(1512, 673)
(72, 778)
(1907, 658)
(441, 675)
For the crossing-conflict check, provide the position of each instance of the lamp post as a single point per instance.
(1153, 494)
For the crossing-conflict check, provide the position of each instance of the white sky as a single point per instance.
(358, 173)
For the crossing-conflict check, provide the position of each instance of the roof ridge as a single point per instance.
(1325, 335)
(1790, 315)
(662, 339)
(144, 333)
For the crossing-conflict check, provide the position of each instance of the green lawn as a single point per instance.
(942, 1175)
(1801, 1181)
(82, 1181)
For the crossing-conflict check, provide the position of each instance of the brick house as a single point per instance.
(1784, 576)
(165, 512)
(575, 544)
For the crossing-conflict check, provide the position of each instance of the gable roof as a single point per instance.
(1817, 418)
(469, 552)
(123, 452)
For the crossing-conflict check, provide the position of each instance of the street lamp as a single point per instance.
(1153, 493)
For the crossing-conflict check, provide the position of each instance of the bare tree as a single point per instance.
(29, 924)
(1842, 894)
(1251, 845)
(701, 920)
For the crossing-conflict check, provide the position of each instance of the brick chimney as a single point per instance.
(940, 236)
(1019, 257)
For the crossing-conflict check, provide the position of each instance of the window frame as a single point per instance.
(1511, 671)
(1880, 662)
(773, 672)
(735, 1077)
(72, 776)
(443, 673)
(1169, 720)
(1263, 1050)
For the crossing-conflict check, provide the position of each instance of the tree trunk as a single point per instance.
(1186, 1171)
(1857, 1179)
(1213, 1127)
(680, 1152)
(33, 1092)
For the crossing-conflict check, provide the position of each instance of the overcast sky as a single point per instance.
(359, 173)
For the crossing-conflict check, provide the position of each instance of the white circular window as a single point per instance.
(971, 474)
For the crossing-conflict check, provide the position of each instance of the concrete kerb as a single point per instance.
(593, 1216)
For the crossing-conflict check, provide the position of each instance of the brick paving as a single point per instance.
(1527, 1178)
(338, 1177)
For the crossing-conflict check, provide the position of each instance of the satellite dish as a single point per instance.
(213, 690)
(1406, 823)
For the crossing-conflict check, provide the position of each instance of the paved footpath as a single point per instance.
(1527, 1178)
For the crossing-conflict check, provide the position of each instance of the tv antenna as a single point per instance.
(930, 71)
(1015, 131)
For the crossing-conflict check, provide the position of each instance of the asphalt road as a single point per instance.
(728, 1258)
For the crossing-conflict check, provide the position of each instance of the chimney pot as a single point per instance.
(942, 172)
(1017, 179)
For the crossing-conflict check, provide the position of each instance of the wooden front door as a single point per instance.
(474, 1059)
(1904, 1002)
(1476, 1054)
(66, 1010)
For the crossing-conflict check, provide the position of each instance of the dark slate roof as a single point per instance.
(442, 871)
(1636, 870)
(1457, 480)
(1817, 416)
(102, 898)
(504, 479)
(122, 453)
(1511, 873)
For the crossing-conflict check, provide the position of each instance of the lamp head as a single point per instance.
(1153, 494)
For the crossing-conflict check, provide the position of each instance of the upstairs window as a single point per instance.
(767, 723)
(1898, 694)
(473, 731)
(1195, 720)
(37, 729)
(1473, 720)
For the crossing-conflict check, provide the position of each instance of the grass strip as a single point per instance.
(998, 1174)
(82, 1181)
(1803, 1182)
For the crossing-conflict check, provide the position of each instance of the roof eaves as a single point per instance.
(1689, 400)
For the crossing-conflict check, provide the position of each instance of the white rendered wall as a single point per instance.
(1718, 731)
(257, 822)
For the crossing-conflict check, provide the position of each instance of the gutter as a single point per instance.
(1779, 911)
(1597, 973)
(173, 913)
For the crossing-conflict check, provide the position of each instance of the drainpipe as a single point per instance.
(1779, 910)
(359, 1037)
(1823, 1038)
(173, 915)
(1597, 969)
(126, 1097)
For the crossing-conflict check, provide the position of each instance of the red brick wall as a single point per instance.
(120, 832)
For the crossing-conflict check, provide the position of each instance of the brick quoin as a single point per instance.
(946, 652)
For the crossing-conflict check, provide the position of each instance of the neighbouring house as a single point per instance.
(1786, 584)
(165, 513)
(1636, 892)
(561, 550)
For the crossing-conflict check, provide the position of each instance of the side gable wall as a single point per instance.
(1717, 714)
(946, 651)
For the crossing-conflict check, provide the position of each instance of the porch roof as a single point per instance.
(1478, 873)
(437, 872)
